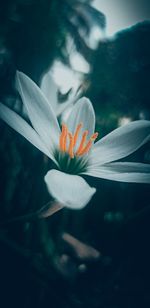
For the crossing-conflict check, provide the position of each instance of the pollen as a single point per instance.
(71, 145)
(77, 133)
(68, 141)
(83, 140)
(63, 138)
(88, 146)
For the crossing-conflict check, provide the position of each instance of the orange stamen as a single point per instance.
(77, 133)
(63, 138)
(83, 147)
(94, 136)
(87, 148)
(89, 144)
(71, 145)
(82, 142)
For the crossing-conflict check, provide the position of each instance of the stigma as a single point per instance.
(68, 141)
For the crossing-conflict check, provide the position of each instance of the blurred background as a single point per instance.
(99, 256)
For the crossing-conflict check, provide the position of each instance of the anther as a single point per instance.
(94, 136)
(83, 140)
(77, 133)
(63, 138)
(71, 145)
(89, 144)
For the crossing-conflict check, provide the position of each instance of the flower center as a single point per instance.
(84, 145)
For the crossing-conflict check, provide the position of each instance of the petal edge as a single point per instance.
(71, 191)
(121, 142)
(122, 172)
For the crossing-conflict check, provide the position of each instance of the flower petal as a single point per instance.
(49, 88)
(82, 112)
(70, 190)
(65, 106)
(122, 172)
(121, 142)
(22, 127)
(39, 110)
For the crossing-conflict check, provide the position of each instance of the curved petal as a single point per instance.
(122, 172)
(49, 88)
(121, 142)
(70, 190)
(64, 107)
(82, 112)
(39, 110)
(22, 127)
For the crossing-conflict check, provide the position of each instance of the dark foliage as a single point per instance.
(34, 33)
(120, 80)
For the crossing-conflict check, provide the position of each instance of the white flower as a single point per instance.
(72, 149)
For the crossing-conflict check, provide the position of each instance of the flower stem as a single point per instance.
(45, 211)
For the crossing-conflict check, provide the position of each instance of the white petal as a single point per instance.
(22, 127)
(121, 142)
(64, 107)
(70, 190)
(49, 88)
(39, 110)
(122, 172)
(82, 112)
